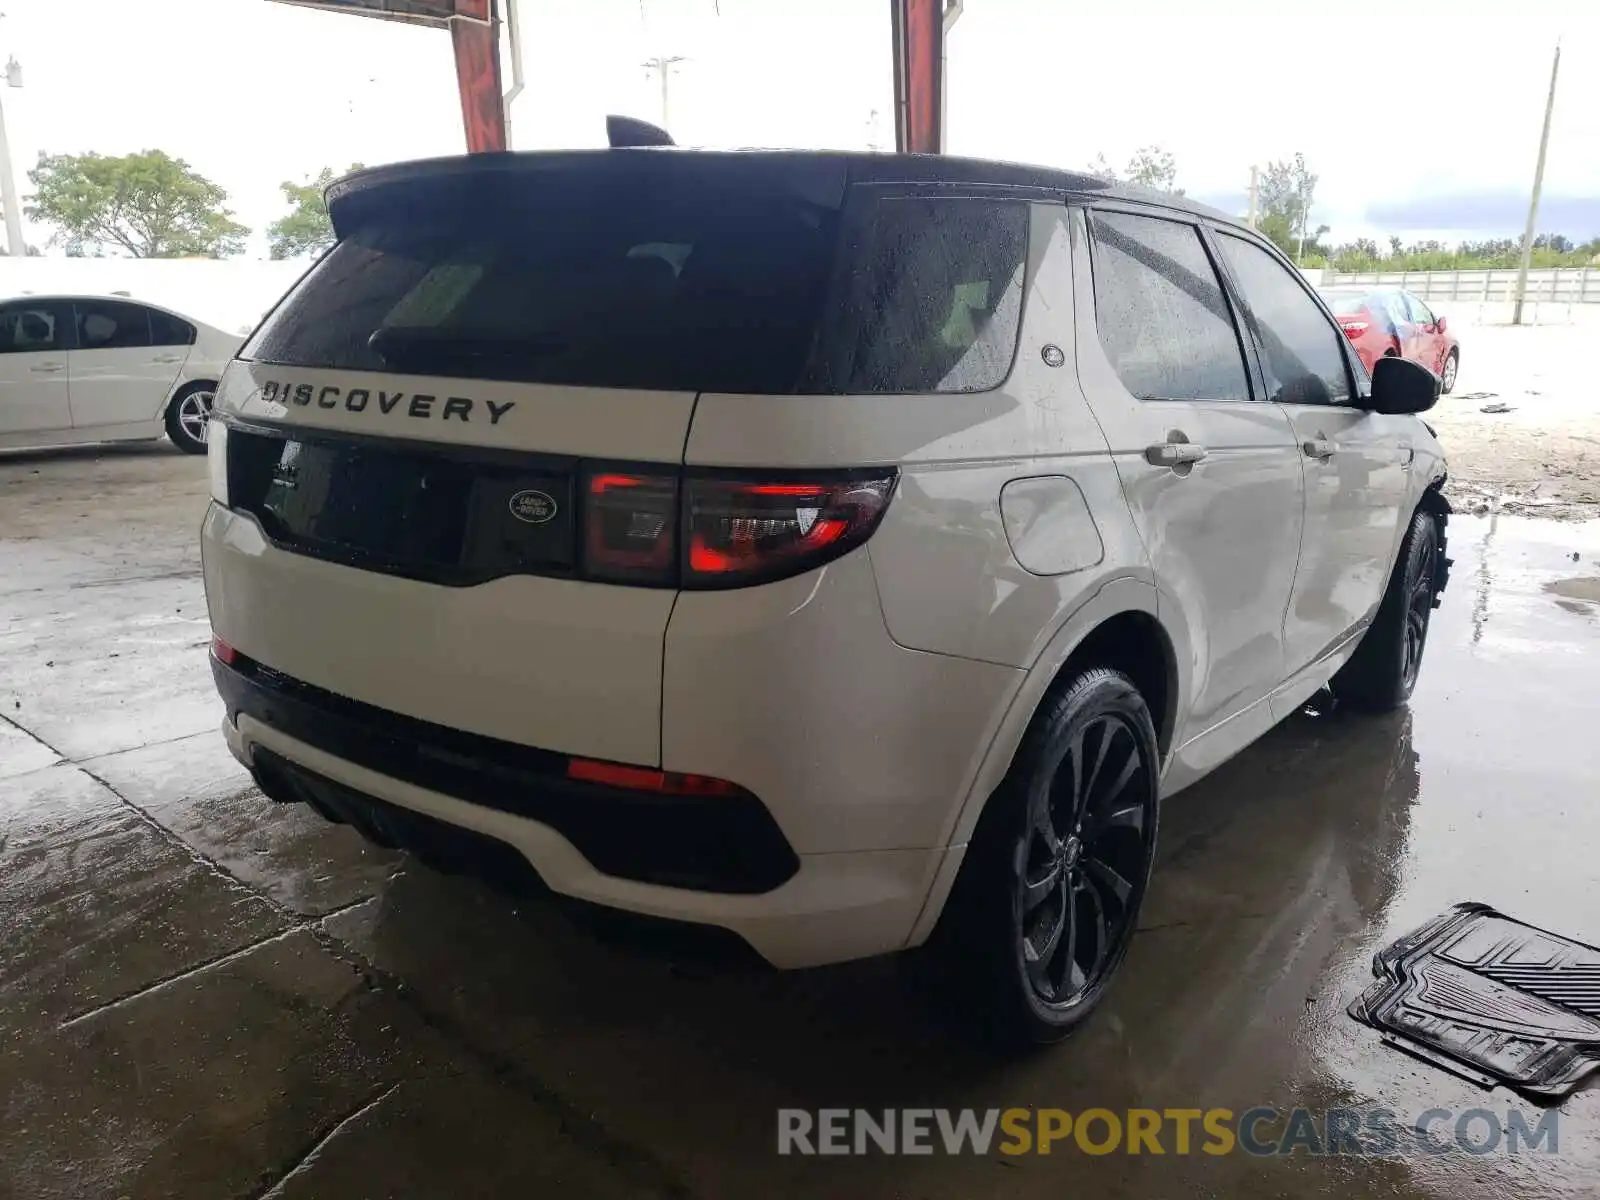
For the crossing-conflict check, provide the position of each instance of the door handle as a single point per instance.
(167, 358)
(48, 368)
(1319, 448)
(1174, 454)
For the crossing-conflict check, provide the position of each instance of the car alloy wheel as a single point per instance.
(194, 413)
(1082, 863)
(1447, 377)
(1419, 607)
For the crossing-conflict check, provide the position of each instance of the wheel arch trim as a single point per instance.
(1115, 598)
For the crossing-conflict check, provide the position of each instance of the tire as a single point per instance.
(1382, 673)
(1048, 898)
(188, 434)
(1447, 377)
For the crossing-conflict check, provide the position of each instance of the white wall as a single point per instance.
(231, 294)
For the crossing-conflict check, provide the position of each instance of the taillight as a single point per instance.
(740, 531)
(1353, 329)
(225, 653)
(651, 528)
(630, 526)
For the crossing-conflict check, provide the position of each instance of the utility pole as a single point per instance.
(664, 66)
(9, 199)
(1255, 186)
(1538, 185)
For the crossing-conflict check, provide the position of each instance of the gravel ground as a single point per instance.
(1543, 455)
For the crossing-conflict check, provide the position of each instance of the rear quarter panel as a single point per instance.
(946, 574)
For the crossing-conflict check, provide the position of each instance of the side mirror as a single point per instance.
(1402, 386)
(1438, 323)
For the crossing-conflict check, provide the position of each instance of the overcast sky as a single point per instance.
(1420, 116)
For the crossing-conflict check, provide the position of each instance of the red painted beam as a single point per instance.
(918, 28)
(475, 34)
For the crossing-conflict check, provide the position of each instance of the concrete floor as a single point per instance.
(203, 994)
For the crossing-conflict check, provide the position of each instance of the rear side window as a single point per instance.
(168, 330)
(932, 298)
(111, 325)
(1159, 306)
(1303, 350)
(678, 286)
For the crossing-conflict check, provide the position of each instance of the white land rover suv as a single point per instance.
(849, 552)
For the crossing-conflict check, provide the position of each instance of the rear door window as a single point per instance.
(1302, 349)
(1163, 320)
(684, 285)
(111, 325)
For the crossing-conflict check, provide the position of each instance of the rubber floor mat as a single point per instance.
(1492, 1000)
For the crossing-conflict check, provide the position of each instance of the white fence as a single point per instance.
(232, 294)
(1567, 285)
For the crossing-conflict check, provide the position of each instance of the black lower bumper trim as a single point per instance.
(727, 844)
(456, 851)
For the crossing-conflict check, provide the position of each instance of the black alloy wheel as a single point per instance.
(1084, 855)
(1419, 607)
(1048, 898)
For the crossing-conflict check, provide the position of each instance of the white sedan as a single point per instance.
(103, 369)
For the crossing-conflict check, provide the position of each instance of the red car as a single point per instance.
(1388, 321)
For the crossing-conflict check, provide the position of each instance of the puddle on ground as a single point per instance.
(1580, 594)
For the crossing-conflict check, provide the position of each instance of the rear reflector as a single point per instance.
(1353, 329)
(647, 779)
(225, 653)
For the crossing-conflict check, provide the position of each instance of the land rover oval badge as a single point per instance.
(532, 506)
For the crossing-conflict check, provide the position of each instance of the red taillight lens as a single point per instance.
(629, 526)
(225, 653)
(648, 779)
(739, 531)
(1353, 329)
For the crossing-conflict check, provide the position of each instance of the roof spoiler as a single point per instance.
(630, 131)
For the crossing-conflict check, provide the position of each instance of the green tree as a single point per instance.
(1287, 191)
(1150, 167)
(305, 229)
(1154, 168)
(1360, 255)
(1101, 169)
(147, 205)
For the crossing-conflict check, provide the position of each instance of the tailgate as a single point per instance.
(438, 579)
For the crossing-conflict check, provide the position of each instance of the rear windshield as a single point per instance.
(679, 288)
(1346, 302)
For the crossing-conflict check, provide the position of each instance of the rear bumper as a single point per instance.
(832, 908)
(860, 750)
(712, 843)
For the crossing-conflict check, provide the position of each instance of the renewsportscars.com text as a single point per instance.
(1217, 1131)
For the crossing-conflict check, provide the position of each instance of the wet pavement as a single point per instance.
(203, 994)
